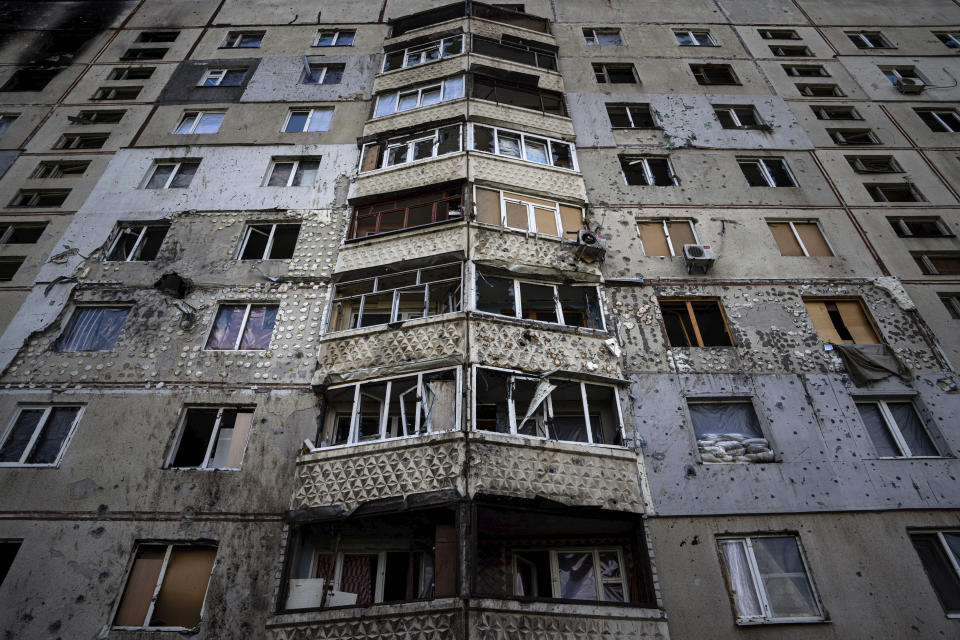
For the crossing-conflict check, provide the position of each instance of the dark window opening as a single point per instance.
(158, 36)
(143, 54)
(518, 95)
(713, 74)
(8, 553)
(30, 79)
(695, 323)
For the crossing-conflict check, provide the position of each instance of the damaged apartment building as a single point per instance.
(425, 319)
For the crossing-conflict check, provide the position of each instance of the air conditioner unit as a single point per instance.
(591, 247)
(910, 85)
(699, 256)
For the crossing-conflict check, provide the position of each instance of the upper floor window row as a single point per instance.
(514, 144)
(419, 96)
(410, 148)
(423, 53)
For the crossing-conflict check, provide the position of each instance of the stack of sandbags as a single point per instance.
(734, 447)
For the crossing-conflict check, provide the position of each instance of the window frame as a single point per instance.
(530, 209)
(937, 116)
(810, 90)
(791, 51)
(293, 171)
(83, 307)
(602, 69)
(799, 240)
(950, 39)
(214, 437)
(219, 74)
(324, 68)
(7, 229)
(197, 118)
(765, 171)
(861, 40)
(518, 301)
(440, 44)
(441, 84)
(927, 267)
(797, 71)
(41, 424)
(243, 325)
(311, 112)
(268, 248)
(776, 34)
(591, 40)
(628, 107)
(438, 199)
(6, 121)
(233, 39)
(952, 302)
(903, 231)
(695, 37)
(731, 109)
(523, 146)
(648, 175)
(157, 36)
(116, 93)
(821, 110)
(337, 35)
(30, 198)
(410, 142)
(896, 434)
(496, 85)
(76, 141)
(134, 255)
(665, 225)
(878, 189)
(598, 579)
(857, 164)
(692, 318)
(877, 335)
(98, 116)
(896, 74)
(131, 73)
(549, 58)
(840, 136)
(177, 167)
(144, 53)
(952, 560)
(54, 169)
(699, 74)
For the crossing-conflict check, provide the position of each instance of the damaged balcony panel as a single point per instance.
(518, 118)
(419, 117)
(399, 78)
(420, 174)
(392, 249)
(499, 619)
(440, 618)
(527, 178)
(530, 255)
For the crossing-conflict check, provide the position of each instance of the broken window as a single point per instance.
(820, 90)
(418, 146)
(92, 328)
(575, 306)
(714, 74)
(526, 213)
(40, 198)
(940, 120)
(8, 553)
(157, 36)
(243, 327)
(549, 408)
(648, 171)
(523, 146)
(805, 70)
(423, 53)
(827, 112)
(7, 119)
(952, 302)
(790, 51)
(166, 586)
(938, 264)
(766, 172)
(518, 95)
(316, 73)
(897, 74)
(116, 93)
(939, 553)
(415, 210)
(9, 267)
(38, 435)
(779, 34)
(21, 232)
(293, 172)
(768, 580)
(869, 40)
(729, 432)
(799, 238)
(528, 52)
(212, 438)
(951, 39)
(419, 96)
(131, 73)
(81, 141)
(895, 429)
(393, 558)
(696, 322)
(919, 227)
(143, 54)
(172, 174)
(695, 39)
(390, 408)
(874, 164)
(197, 122)
(631, 116)
(338, 38)
(602, 37)
(275, 241)
(853, 136)
(396, 297)
(666, 237)
(137, 242)
(894, 192)
(98, 116)
(223, 78)
(30, 79)
(613, 73)
(742, 116)
(841, 321)
(60, 169)
(243, 40)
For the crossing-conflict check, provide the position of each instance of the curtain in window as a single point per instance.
(876, 426)
(259, 327)
(51, 439)
(357, 577)
(577, 579)
(912, 429)
(19, 436)
(784, 577)
(226, 327)
(741, 581)
(92, 329)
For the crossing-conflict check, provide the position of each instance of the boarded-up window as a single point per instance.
(799, 239)
(841, 322)
(665, 237)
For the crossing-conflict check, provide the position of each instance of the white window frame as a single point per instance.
(864, 38)
(644, 162)
(665, 225)
(378, 580)
(293, 172)
(531, 213)
(626, 106)
(323, 67)
(936, 115)
(337, 35)
(897, 73)
(598, 579)
(311, 112)
(431, 134)
(134, 255)
(196, 122)
(765, 172)
(218, 74)
(695, 37)
(950, 39)
(394, 95)
(47, 410)
(214, 437)
(269, 246)
(177, 164)
(440, 45)
(760, 591)
(356, 406)
(243, 324)
(796, 235)
(604, 66)
(590, 36)
(518, 302)
(234, 42)
(523, 146)
(546, 404)
(731, 109)
(894, 429)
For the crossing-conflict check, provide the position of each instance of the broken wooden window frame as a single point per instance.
(798, 237)
(740, 116)
(694, 323)
(521, 145)
(646, 166)
(874, 164)
(270, 230)
(601, 37)
(665, 224)
(440, 200)
(395, 314)
(244, 324)
(601, 72)
(598, 579)
(151, 234)
(898, 443)
(767, 172)
(542, 424)
(517, 286)
(835, 112)
(410, 145)
(215, 442)
(180, 176)
(445, 89)
(421, 426)
(532, 205)
(853, 136)
(842, 321)
(28, 454)
(420, 54)
(943, 553)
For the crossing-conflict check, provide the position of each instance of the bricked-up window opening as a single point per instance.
(338, 38)
(158, 36)
(97, 117)
(514, 144)
(21, 233)
(827, 112)
(519, 95)
(166, 586)
(546, 408)
(308, 120)
(200, 122)
(631, 116)
(223, 77)
(666, 237)
(423, 53)
(738, 117)
(895, 74)
(869, 40)
(951, 39)
(768, 580)
(30, 79)
(421, 145)
(714, 74)
(943, 263)
(939, 553)
(695, 39)
(391, 408)
(874, 164)
(806, 71)
(37, 435)
(393, 558)
(695, 323)
(729, 432)
(299, 172)
(269, 241)
(137, 243)
(131, 73)
(841, 321)
(602, 37)
(60, 169)
(9, 267)
(791, 51)
(8, 553)
(766, 172)
(81, 141)
(245, 327)
(952, 302)
(407, 212)
(853, 136)
(940, 120)
(779, 34)
(116, 93)
(574, 306)
(648, 171)
(7, 119)
(920, 227)
(92, 328)
(820, 91)
(419, 96)
(800, 238)
(528, 214)
(397, 297)
(316, 73)
(894, 192)
(243, 40)
(143, 54)
(40, 198)
(212, 438)
(172, 174)
(612, 73)
(895, 429)
(528, 52)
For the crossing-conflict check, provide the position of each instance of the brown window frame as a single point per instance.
(368, 210)
(688, 302)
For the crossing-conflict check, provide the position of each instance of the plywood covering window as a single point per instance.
(166, 586)
(697, 322)
(212, 438)
(841, 321)
(526, 213)
(666, 237)
(800, 238)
